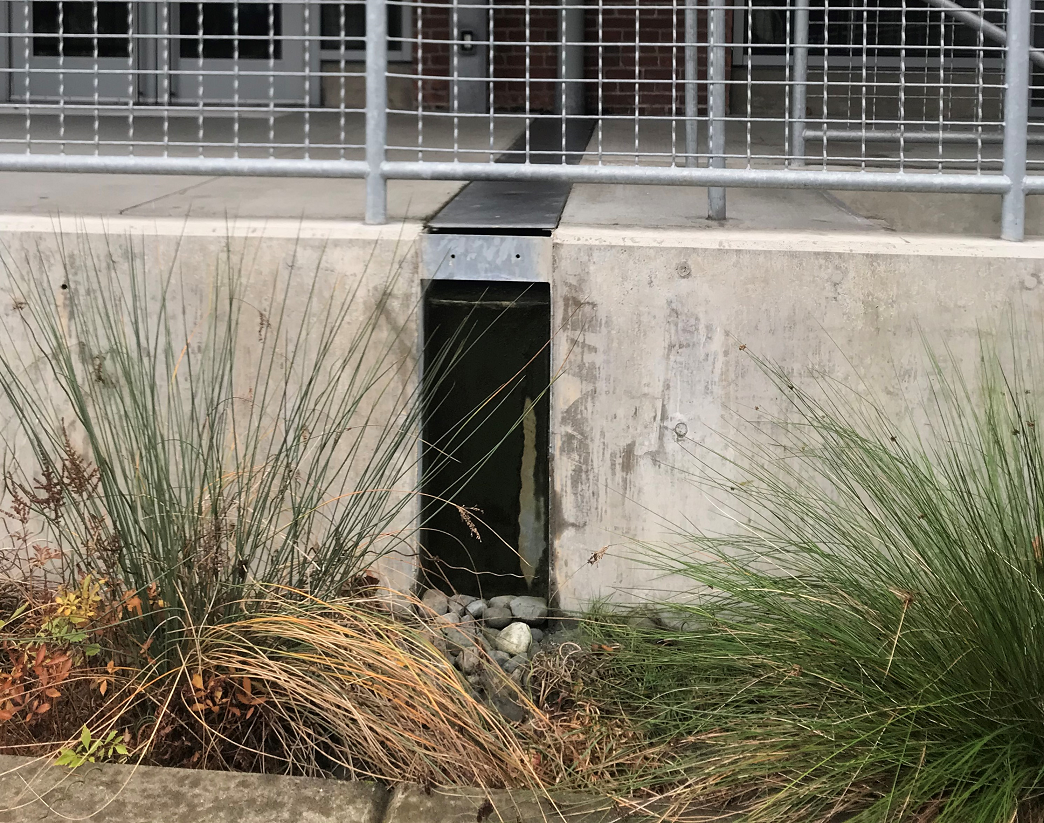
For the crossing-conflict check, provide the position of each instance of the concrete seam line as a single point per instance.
(384, 812)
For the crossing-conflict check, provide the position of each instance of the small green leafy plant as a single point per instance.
(109, 748)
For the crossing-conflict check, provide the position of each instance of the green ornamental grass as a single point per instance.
(868, 642)
(196, 435)
(202, 468)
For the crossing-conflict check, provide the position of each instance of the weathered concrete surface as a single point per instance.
(679, 207)
(164, 196)
(652, 326)
(649, 324)
(959, 214)
(33, 791)
(316, 264)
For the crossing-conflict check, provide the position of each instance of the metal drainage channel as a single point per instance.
(501, 230)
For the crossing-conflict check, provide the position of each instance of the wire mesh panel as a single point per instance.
(896, 85)
(507, 79)
(904, 85)
(911, 94)
(205, 79)
(1035, 163)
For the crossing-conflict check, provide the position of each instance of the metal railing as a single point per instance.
(887, 95)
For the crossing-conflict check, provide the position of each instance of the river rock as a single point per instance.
(470, 661)
(458, 640)
(500, 657)
(515, 639)
(515, 662)
(503, 600)
(435, 601)
(531, 610)
(497, 617)
(538, 635)
(476, 608)
(503, 694)
(462, 600)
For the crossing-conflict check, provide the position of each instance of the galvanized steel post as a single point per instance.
(799, 91)
(376, 109)
(1016, 118)
(691, 77)
(716, 78)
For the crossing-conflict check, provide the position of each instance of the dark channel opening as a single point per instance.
(486, 438)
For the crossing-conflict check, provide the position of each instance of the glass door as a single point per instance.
(74, 50)
(245, 53)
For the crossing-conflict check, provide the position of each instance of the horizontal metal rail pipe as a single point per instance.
(932, 137)
(1033, 184)
(215, 166)
(680, 176)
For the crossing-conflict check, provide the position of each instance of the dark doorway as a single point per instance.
(486, 437)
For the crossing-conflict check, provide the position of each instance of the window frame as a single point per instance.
(402, 54)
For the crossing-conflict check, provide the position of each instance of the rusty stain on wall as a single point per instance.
(532, 532)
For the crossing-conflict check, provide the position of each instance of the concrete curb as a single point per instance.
(31, 790)
(35, 791)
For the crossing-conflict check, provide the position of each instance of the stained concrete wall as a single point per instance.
(321, 262)
(649, 326)
(653, 329)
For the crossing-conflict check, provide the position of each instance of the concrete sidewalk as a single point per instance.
(589, 205)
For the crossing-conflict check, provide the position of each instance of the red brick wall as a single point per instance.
(431, 58)
(655, 58)
(509, 61)
(619, 30)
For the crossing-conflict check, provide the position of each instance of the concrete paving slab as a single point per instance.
(88, 194)
(444, 137)
(962, 214)
(436, 137)
(660, 142)
(322, 134)
(296, 198)
(33, 791)
(109, 195)
(677, 207)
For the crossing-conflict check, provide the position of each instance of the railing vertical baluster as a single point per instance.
(799, 91)
(691, 147)
(376, 109)
(1016, 118)
(716, 79)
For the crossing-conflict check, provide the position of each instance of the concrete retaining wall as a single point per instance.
(660, 319)
(651, 325)
(317, 262)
